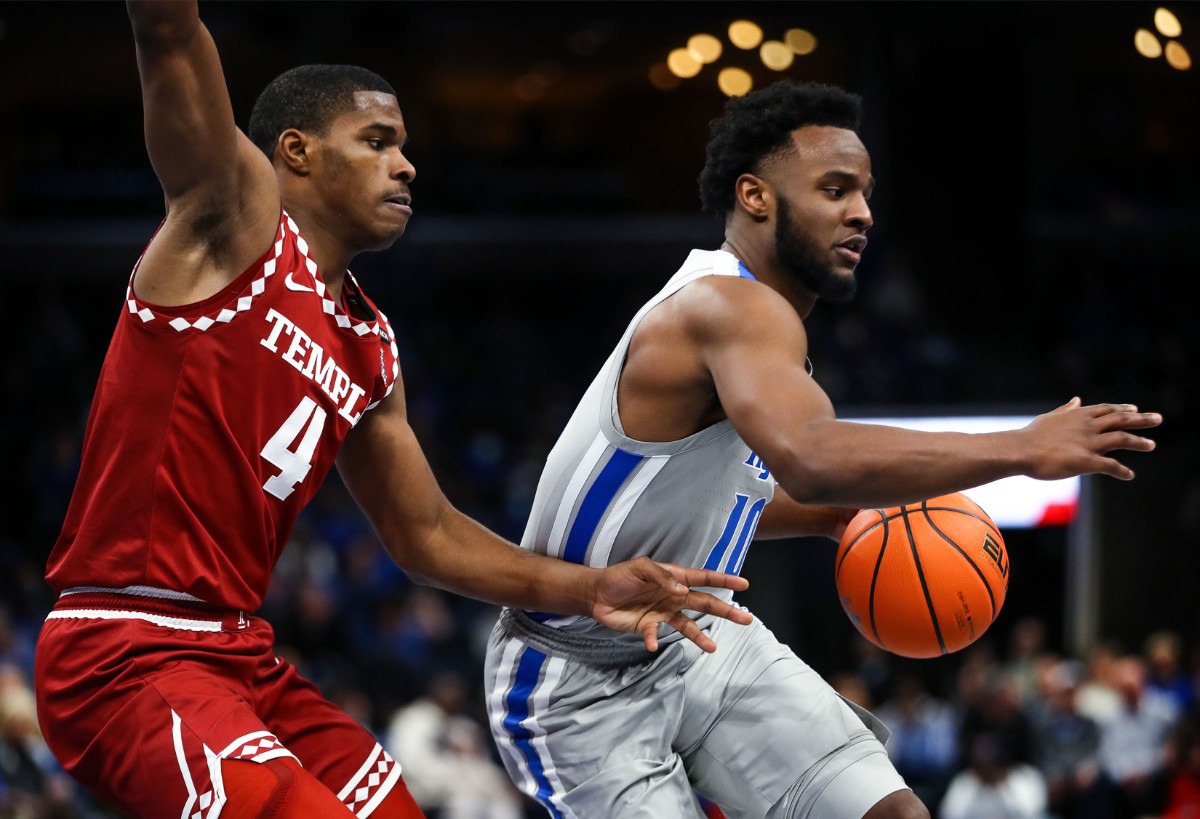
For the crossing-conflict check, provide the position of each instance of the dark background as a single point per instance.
(1036, 221)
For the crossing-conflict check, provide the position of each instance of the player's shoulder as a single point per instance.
(722, 304)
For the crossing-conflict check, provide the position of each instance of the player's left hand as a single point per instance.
(840, 517)
(637, 595)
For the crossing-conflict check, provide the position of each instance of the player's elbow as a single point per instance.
(809, 489)
(416, 549)
(412, 566)
(810, 476)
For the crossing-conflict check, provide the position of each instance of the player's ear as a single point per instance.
(752, 195)
(293, 149)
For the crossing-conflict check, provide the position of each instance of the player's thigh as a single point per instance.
(141, 715)
(586, 741)
(641, 789)
(761, 724)
(331, 745)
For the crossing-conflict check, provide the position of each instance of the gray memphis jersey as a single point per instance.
(604, 497)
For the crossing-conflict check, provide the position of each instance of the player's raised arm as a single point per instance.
(385, 470)
(221, 192)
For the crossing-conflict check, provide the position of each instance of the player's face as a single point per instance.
(821, 211)
(365, 175)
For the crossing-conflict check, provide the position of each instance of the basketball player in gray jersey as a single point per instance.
(704, 429)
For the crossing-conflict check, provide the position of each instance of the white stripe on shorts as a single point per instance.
(539, 698)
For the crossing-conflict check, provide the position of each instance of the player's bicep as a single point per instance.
(759, 368)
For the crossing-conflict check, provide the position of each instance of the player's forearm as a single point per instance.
(461, 556)
(864, 465)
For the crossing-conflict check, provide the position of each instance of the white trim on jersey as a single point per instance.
(621, 508)
(562, 520)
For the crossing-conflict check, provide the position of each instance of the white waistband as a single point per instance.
(180, 623)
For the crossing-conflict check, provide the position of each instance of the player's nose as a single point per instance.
(402, 169)
(858, 214)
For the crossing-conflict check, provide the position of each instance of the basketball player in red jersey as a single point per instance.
(245, 361)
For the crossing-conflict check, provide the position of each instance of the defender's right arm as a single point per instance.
(221, 192)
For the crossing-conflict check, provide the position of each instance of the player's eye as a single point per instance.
(375, 143)
(836, 193)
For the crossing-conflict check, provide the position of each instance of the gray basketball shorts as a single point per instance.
(751, 727)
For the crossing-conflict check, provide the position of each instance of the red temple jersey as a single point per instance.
(213, 424)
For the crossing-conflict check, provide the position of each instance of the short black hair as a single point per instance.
(308, 98)
(759, 125)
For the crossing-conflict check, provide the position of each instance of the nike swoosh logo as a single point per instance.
(292, 285)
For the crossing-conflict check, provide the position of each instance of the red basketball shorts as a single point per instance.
(141, 699)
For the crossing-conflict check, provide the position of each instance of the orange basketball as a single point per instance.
(925, 579)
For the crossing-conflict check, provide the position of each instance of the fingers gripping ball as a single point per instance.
(925, 579)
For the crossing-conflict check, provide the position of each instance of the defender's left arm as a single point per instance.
(386, 471)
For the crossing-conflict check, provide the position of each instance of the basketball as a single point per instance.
(925, 579)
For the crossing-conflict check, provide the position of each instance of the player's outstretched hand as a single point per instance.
(637, 595)
(1075, 439)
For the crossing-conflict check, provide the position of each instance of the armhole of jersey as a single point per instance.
(387, 336)
(223, 296)
(725, 264)
(138, 263)
(220, 308)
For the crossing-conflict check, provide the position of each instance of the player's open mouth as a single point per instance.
(852, 248)
(849, 254)
(401, 203)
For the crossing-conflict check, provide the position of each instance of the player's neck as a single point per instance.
(324, 247)
(766, 268)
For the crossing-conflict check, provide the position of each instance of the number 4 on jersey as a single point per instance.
(294, 464)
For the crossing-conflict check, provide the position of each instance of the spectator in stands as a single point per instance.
(1096, 696)
(1133, 743)
(446, 756)
(993, 786)
(1166, 674)
(924, 742)
(1066, 747)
